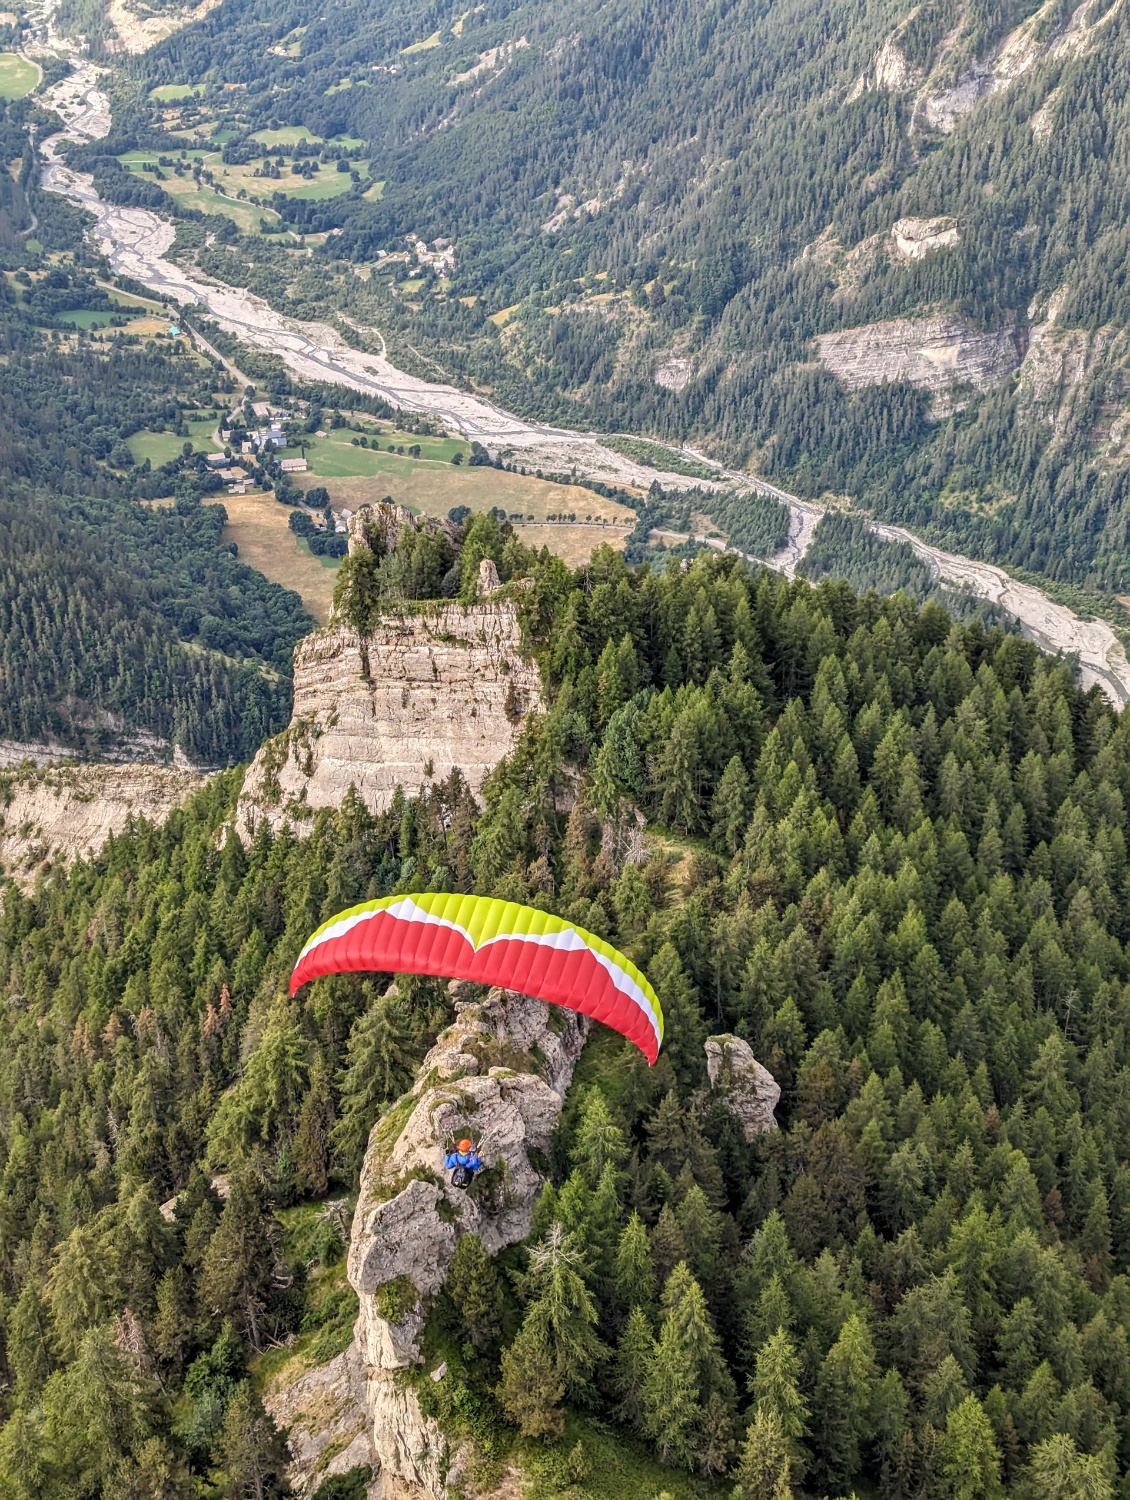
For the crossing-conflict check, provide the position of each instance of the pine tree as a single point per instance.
(842, 1406)
(30, 1343)
(671, 1411)
(685, 1310)
(238, 1268)
(379, 1070)
(563, 1313)
(635, 1356)
(970, 1459)
(633, 1273)
(599, 1141)
(1058, 1471)
(776, 1388)
(530, 1391)
(312, 1144)
(251, 1450)
(475, 1290)
(764, 1469)
(730, 807)
(667, 1245)
(172, 1330)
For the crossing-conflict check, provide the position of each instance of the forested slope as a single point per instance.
(887, 849)
(668, 206)
(120, 622)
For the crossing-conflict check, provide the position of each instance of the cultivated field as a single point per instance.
(223, 196)
(168, 93)
(573, 544)
(18, 76)
(257, 524)
(436, 488)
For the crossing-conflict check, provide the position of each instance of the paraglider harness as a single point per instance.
(463, 1161)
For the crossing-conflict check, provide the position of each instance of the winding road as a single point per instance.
(135, 241)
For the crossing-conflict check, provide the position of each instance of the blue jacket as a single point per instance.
(463, 1159)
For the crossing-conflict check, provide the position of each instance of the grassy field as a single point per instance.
(425, 46)
(335, 457)
(169, 92)
(286, 135)
(88, 317)
(436, 489)
(18, 76)
(573, 544)
(258, 525)
(157, 447)
(327, 184)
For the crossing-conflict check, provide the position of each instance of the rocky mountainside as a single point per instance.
(429, 686)
(500, 1073)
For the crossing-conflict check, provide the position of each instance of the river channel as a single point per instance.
(135, 241)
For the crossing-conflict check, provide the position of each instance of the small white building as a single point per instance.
(293, 465)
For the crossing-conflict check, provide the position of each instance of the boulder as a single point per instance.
(749, 1090)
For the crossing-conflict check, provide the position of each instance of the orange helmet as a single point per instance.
(464, 1146)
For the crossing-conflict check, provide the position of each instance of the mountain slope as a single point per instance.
(875, 250)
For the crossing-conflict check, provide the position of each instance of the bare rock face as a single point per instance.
(326, 1420)
(914, 239)
(498, 1074)
(931, 353)
(751, 1092)
(54, 815)
(432, 687)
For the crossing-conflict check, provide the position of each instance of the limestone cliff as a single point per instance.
(50, 816)
(931, 353)
(431, 686)
(499, 1072)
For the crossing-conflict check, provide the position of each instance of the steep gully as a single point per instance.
(135, 242)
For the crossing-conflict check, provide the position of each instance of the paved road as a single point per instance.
(136, 242)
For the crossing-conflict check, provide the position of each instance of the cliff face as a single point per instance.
(431, 686)
(422, 693)
(54, 815)
(498, 1073)
(932, 353)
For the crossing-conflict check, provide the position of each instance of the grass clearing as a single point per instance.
(167, 93)
(88, 317)
(286, 135)
(245, 216)
(158, 447)
(573, 544)
(258, 525)
(335, 457)
(18, 76)
(618, 1468)
(436, 489)
(425, 46)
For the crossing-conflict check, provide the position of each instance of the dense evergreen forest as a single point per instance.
(118, 618)
(886, 848)
(634, 184)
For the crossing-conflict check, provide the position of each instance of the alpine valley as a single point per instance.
(645, 487)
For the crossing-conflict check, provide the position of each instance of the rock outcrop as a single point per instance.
(915, 239)
(751, 1093)
(55, 815)
(326, 1420)
(931, 353)
(498, 1073)
(432, 686)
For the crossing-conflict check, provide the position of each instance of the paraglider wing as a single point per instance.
(490, 942)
